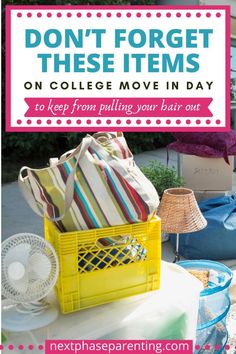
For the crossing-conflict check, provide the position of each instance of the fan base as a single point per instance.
(13, 321)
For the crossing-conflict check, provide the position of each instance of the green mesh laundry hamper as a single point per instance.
(214, 305)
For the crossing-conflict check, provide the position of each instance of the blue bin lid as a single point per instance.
(220, 275)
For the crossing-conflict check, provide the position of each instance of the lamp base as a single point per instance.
(177, 257)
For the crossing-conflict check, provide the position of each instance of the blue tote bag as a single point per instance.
(218, 239)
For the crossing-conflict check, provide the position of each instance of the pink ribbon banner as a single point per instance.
(118, 107)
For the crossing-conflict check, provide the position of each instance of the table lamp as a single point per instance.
(179, 213)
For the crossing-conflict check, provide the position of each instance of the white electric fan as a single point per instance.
(29, 271)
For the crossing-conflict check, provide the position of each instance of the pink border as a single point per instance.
(114, 7)
(115, 129)
(227, 67)
(110, 128)
(8, 69)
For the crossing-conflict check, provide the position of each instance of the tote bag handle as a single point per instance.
(98, 138)
(69, 190)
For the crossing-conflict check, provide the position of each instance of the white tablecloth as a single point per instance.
(169, 313)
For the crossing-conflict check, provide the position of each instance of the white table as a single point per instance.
(169, 313)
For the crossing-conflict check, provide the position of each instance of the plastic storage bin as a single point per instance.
(93, 273)
(213, 307)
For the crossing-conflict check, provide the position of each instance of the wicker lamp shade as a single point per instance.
(179, 211)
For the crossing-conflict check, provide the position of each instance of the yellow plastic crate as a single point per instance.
(92, 274)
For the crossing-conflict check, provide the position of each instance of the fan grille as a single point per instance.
(37, 288)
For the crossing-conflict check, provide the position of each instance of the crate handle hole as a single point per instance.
(120, 240)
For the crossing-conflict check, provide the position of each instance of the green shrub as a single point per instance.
(162, 177)
(139, 142)
(38, 145)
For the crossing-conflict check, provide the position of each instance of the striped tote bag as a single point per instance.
(96, 185)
